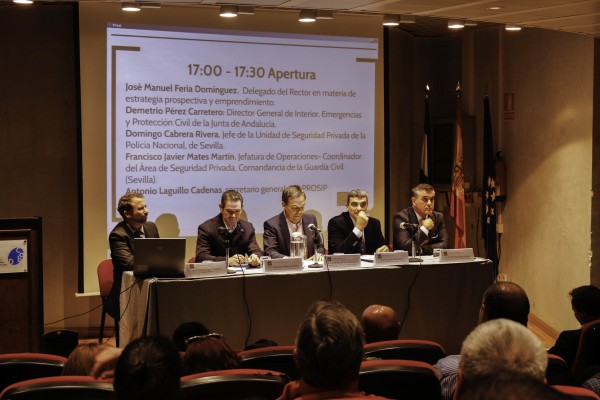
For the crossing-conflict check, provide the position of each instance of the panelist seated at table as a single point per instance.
(278, 230)
(422, 220)
(353, 231)
(135, 224)
(227, 230)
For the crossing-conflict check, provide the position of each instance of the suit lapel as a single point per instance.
(285, 233)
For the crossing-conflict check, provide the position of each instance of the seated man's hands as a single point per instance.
(383, 249)
(428, 224)
(253, 260)
(237, 259)
(362, 219)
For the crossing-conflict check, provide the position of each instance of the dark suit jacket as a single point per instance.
(437, 238)
(566, 346)
(211, 246)
(343, 240)
(121, 252)
(276, 238)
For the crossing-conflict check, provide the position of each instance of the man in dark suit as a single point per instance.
(135, 224)
(353, 231)
(278, 230)
(227, 230)
(585, 302)
(422, 220)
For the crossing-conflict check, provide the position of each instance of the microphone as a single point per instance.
(406, 225)
(313, 228)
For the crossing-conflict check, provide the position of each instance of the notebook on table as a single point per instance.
(159, 257)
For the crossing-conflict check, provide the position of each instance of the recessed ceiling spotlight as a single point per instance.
(131, 7)
(228, 11)
(23, 1)
(512, 27)
(456, 24)
(495, 8)
(391, 20)
(307, 16)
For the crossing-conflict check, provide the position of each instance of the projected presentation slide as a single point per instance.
(193, 113)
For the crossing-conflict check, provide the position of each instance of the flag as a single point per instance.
(457, 200)
(488, 196)
(424, 176)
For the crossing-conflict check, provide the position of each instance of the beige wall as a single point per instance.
(548, 152)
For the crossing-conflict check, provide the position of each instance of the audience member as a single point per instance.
(509, 387)
(185, 331)
(329, 350)
(380, 323)
(420, 218)
(208, 353)
(148, 369)
(228, 231)
(135, 224)
(585, 302)
(261, 343)
(81, 360)
(279, 229)
(502, 346)
(501, 300)
(354, 231)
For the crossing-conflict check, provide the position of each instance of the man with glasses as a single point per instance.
(353, 231)
(227, 230)
(420, 220)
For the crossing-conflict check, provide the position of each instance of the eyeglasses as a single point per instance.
(194, 339)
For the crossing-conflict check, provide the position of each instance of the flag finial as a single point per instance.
(426, 90)
(458, 89)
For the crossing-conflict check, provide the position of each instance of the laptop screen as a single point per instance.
(159, 257)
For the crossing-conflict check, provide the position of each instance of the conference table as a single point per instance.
(436, 301)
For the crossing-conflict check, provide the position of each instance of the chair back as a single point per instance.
(588, 351)
(234, 384)
(577, 392)
(274, 358)
(105, 277)
(399, 379)
(558, 372)
(60, 387)
(16, 367)
(417, 350)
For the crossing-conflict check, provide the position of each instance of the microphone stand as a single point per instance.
(316, 240)
(226, 240)
(415, 245)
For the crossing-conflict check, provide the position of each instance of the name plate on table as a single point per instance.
(283, 264)
(343, 261)
(399, 257)
(456, 255)
(207, 269)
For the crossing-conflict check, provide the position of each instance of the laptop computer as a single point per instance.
(159, 257)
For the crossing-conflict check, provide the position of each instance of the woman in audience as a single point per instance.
(208, 353)
(81, 359)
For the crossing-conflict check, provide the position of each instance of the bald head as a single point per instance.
(380, 323)
(505, 300)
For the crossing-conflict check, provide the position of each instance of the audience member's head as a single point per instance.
(185, 331)
(505, 300)
(329, 346)
(380, 323)
(261, 343)
(501, 346)
(148, 369)
(585, 301)
(209, 354)
(508, 387)
(81, 360)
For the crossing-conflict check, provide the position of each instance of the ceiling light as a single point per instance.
(391, 20)
(23, 1)
(307, 16)
(495, 8)
(324, 14)
(130, 7)
(408, 19)
(456, 24)
(512, 27)
(245, 10)
(228, 11)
